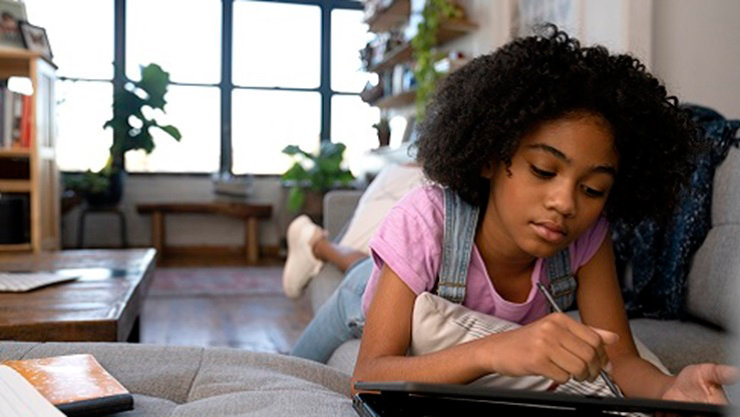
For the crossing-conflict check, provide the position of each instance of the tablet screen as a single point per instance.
(422, 399)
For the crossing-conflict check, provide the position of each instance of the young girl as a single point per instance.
(551, 141)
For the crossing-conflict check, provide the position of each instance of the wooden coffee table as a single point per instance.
(104, 304)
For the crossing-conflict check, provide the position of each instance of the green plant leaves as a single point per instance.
(129, 102)
(320, 172)
(154, 82)
(423, 49)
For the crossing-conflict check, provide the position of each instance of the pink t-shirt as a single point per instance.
(410, 241)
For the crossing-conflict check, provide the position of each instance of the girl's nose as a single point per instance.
(562, 199)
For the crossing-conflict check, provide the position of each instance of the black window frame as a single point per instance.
(226, 86)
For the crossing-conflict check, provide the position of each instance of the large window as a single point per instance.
(81, 36)
(288, 73)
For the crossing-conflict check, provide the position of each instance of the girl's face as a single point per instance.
(556, 187)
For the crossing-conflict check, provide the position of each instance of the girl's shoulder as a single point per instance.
(424, 196)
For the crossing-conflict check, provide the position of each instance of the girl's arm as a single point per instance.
(555, 346)
(387, 336)
(600, 304)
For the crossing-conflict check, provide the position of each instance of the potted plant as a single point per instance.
(312, 175)
(131, 122)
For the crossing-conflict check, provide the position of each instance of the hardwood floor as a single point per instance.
(261, 323)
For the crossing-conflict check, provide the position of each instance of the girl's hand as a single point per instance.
(556, 347)
(702, 383)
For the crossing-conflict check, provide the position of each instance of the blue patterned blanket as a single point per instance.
(660, 255)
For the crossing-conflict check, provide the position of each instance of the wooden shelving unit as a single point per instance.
(41, 184)
(391, 17)
(448, 31)
(399, 100)
(397, 15)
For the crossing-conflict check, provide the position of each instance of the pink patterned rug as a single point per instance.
(245, 280)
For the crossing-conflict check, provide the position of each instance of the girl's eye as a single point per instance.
(592, 192)
(541, 173)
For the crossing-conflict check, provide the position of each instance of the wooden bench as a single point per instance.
(247, 211)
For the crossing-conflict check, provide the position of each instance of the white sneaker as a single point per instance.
(301, 265)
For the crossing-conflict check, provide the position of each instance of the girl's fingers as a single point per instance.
(725, 374)
(571, 364)
(555, 372)
(588, 355)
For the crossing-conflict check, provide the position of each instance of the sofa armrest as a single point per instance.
(339, 205)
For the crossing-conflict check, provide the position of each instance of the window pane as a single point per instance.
(195, 112)
(276, 45)
(184, 38)
(352, 124)
(83, 107)
(80, 34)
(264, 122)
(348, 36)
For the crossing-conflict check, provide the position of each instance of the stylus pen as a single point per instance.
(555, 307)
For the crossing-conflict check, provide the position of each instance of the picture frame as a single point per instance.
(35, 39)
(11, 14)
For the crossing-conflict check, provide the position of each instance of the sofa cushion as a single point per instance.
(680, 343)
(145, 406)
(726, 192)
(219, 382)
(321, 286)
(713, 277)
(345, 356)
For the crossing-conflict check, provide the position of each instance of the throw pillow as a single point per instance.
(438, 324)
(389, 186)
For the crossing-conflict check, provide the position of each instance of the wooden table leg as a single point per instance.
(251, 240)
(158, 232)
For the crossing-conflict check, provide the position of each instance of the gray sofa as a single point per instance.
(220, 382)
(713, 290)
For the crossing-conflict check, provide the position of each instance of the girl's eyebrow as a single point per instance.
(607, 169)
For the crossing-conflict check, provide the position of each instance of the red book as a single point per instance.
(25, 134)
(75, 384)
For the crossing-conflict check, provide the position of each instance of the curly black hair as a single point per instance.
(480, 112)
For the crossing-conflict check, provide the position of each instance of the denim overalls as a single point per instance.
(341, 317)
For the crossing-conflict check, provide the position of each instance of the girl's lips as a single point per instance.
(549, 232)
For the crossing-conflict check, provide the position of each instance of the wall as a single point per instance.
(696, 51)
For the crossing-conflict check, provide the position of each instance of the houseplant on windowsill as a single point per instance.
(312, 175)
(133, 117)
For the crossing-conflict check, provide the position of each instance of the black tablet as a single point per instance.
(422, 399)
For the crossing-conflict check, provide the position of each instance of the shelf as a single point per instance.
(19, 247)
(399, 100)
(452, 29)
(449, 30)
(396, 56)
(391, 17)
(15, 152)
(15, 186)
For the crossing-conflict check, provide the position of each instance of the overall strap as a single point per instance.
(461, 220)
(563, 284)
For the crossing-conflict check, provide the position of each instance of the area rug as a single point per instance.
(179, 281)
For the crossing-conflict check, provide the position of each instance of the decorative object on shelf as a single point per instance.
(11, 14)
(435, 11)
(371, 93)
(383, 129)
(128, 106)
(314, 173)
(35, 39)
